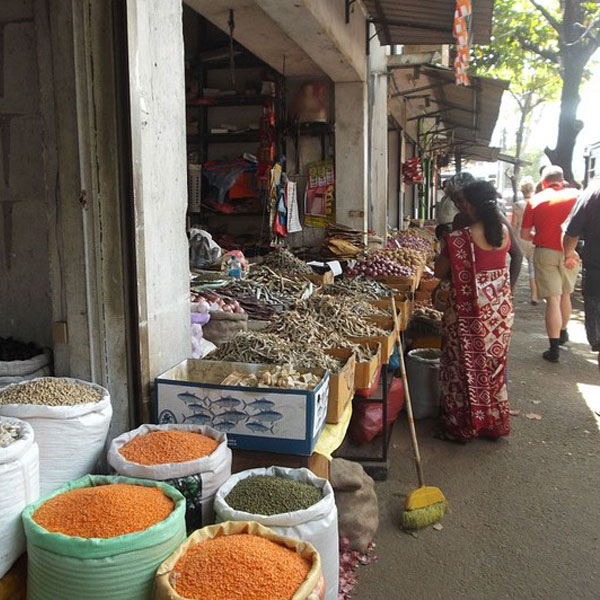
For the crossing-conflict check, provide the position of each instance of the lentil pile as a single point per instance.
(104, 511)
(9, 433)
(161, 447)
(269, 495)
(239, 566)
(50, 391)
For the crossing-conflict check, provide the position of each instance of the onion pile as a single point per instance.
(380, 265)
(210, 301)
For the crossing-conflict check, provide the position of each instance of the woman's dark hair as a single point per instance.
(481, 195)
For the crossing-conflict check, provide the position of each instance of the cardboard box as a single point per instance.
(254, 418)
(422, 295)
(341, 384)
(365, 372)
(387, 341)
(245, 459)
(428, 285)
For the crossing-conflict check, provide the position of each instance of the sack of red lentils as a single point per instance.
(240, 560)
(19, 486)
(195, 459)
(70, 419)
(292, 502)
(101, 538)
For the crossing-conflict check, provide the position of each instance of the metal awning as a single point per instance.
(455, 116)
(425, 21)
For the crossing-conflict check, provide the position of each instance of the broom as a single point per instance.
(426, 505)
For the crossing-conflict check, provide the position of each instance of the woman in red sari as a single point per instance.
(478, 321)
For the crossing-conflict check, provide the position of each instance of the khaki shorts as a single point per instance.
(551, 275)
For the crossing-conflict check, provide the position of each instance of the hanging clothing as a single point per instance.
(477, 331)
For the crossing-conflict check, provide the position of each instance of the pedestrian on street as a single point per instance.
(477, 322)
(447, 209)
(543, 223)
(527, 189)
(463, 219)
(585, 225)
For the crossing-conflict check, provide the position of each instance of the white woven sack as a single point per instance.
(43, 372)
(19, 486)
(214, 470)
(71, 439)
(20, 368)
(317, 524)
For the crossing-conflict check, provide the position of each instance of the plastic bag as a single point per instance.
(311, 589)
(316, 524)
(19, 486)
(204, 251)
(119, 568)
(198, 480)
(71, 438)
(367, 420)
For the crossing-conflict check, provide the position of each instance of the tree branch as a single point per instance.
(588, 32)
(547, 15)
(553, 57)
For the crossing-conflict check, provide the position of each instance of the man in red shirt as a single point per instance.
(542, 224)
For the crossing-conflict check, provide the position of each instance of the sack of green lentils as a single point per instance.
(70, 419)
(111, 548)
(240, 560)
(292, 502)
(195, 459)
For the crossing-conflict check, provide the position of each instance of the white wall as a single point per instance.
(160, 187)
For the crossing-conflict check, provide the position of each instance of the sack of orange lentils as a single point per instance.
(195, 459)
(267, 566)
(101, 538)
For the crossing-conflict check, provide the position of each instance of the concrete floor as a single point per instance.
(525, 511)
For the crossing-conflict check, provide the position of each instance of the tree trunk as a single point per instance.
(525, 108)
(568, 125)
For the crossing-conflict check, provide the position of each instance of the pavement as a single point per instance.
(525, 510)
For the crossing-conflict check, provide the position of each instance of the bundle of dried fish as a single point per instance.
(276, 377)
(283, 260)
(340, 316)
(269, 348)
(363, 287)
(296, 326)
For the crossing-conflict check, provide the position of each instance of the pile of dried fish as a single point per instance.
(363, 287)
(283, 260)
(266, 293)
(269, 348)
(340, 316)
(276, 377)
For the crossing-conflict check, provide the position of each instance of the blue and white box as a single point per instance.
(288, 421)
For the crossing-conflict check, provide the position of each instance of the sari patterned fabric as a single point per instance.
(477, 331)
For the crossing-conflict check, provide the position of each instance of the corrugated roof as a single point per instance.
(426, 21)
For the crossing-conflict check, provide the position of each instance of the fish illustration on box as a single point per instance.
(268, 416)
(224, 425)
(233, 415)
(260, 404)
(198, 419)
(188, 397)
(227, 402)
(199, 409)
(259, 427)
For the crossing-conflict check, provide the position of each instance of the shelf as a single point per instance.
(231, 101)
(225, 138)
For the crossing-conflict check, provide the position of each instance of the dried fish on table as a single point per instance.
(340, 316)
(276, 377)
(269, 348)
(363, 287)
(283, 260)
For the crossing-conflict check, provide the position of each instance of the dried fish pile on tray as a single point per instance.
(342, 241)
(269, 348)
(283, 260)
(266, 293)
(301, 326)
(340, 316)
(276, 377)
(359, 287)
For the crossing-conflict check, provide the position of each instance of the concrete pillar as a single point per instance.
(351, 159)
(157, 93)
